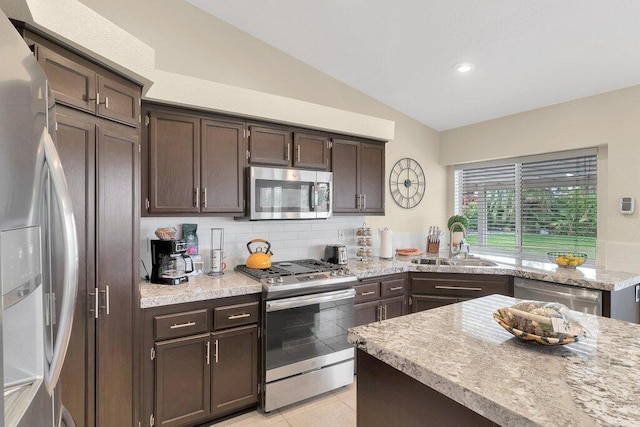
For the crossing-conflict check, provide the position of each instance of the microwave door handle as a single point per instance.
(70, 285)
(313, 197)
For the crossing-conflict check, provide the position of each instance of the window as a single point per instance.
(531, 205)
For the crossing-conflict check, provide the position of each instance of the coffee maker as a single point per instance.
(170, 263)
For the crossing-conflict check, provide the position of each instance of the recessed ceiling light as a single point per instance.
(463, 67)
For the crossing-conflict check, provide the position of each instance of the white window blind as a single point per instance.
(531, 205)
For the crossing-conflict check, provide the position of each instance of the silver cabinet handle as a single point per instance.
(298, 149)
(217, 351)
(196, 197)
(182, 325)
(288, 151)
(95, 294)
(364, 201)
(208, 353)
(106, 298)
(458, 288)
(358, 201)
(385, 311)
(364, 294)
(396, 288)
(239, 316)
(106, 102)
(204, 197)
(380, 313)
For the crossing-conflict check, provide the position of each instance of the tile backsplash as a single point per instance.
(291, 239)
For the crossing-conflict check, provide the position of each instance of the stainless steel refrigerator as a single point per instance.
(38, 245)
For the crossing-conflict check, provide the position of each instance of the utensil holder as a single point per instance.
(216, 256)
(433, 247)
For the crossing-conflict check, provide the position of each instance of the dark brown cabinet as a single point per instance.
(203, 360)
(271, 146)
(80, 84)
(380, 298)
(358, 177)
(97, 136)
(431, 290)
(100, 160)
(192, 163)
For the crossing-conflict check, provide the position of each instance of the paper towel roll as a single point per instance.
(386, 243)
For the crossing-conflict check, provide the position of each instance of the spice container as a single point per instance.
(365, 241)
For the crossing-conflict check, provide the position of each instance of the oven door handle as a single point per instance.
(305, 300)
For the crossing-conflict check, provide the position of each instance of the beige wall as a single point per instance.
(192, 43)
(610, 121)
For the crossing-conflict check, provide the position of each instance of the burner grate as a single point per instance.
(315, 266)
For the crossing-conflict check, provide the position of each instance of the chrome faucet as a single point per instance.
(455, 252)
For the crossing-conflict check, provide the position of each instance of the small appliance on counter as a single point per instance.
(335, 254)
(170, 262)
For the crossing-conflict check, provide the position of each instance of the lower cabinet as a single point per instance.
(380, 298)
(431, 290)
(203, 363)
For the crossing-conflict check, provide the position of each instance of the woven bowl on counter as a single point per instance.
(501, 318)
(567, 259)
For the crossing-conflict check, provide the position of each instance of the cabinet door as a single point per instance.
(372, 182)
(235, 369)
(75, 141)
(174, 163)
(345, 168)
(72, 83)
(116, 248)
(310, 151)
(119, 100)
(366, 313)
(269, 146)
(427, 302)
(183, 378)
(222, 167)
(393, 307)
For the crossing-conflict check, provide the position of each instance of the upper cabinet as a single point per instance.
(192, 163)
(81, 84)
(358, 177)
(282, 147)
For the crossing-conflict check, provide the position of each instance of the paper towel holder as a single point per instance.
(386, 243)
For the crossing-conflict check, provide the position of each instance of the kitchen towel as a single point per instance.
(386, 244)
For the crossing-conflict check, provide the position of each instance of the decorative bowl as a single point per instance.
(501, 318)
(567, 259)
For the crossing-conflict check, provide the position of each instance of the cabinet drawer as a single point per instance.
(235, 315)
(462, 285)
(180, 324)
(367, 292)
(392, 288)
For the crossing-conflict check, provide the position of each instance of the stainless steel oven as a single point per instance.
(306, 348)
(308, 307)
(277, 193)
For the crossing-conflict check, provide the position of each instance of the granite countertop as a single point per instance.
(233, 284)
(592, 278)
(198, 288)
(461, 352)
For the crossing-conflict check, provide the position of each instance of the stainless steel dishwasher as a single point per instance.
(578, 299)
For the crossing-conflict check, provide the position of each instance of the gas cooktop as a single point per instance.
(299, 276)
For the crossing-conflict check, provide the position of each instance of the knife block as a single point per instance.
(433, 247)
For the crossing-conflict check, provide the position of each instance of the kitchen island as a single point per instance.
(455, 365)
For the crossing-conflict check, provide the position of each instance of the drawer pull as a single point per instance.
(364, 294)
(239, 316)
(182, 325)
(458, 288)
(395, 288)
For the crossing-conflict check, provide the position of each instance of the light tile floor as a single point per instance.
(336, 409)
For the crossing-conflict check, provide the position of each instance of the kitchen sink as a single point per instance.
(459, 262)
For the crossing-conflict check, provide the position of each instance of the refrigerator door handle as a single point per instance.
(70, 285)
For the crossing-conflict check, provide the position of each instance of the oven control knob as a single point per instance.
(270, 281)
(280, 279)
(340, 272)
(333, 273)
(346, 271)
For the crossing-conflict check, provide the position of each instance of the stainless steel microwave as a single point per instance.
(277, 193)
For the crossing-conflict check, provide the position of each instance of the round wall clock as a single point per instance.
(407, 183)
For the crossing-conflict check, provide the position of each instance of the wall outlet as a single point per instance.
(340, 235)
